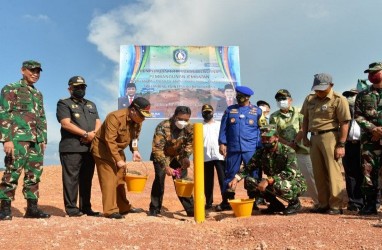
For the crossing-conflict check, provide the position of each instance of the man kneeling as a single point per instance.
(284, 179)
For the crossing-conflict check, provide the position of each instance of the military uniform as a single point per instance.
(169, 147)
(324, 117)
(23, 122)
(76, 159)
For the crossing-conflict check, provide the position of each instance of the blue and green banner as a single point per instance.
(170, 76)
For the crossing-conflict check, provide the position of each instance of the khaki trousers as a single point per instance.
(327, 170)
(112, 183)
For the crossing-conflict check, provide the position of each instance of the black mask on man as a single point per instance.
(78, 93)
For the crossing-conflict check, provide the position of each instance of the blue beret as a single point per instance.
(244, 90)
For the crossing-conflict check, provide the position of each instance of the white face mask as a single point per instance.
(351, 100)
(181, 124)
(283, 104)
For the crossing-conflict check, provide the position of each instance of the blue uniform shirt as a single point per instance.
(239, 126)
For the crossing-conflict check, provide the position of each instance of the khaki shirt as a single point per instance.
(115, 134)
(326, 113)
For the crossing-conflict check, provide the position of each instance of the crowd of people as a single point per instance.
(280, 155)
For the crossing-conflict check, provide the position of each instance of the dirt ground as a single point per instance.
(173, 230)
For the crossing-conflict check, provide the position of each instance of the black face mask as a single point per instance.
(207, 116)
(241, 98)
(78, 93)
(269, 145)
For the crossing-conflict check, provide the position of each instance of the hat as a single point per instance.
(131, 85)
(321, 81)
(244, 90)
(261, 103)
(268, 130)
(30, 64)
(375, 66)
(76, 80)
(142, 105)
(207, 107)
(228, 86)
(282, 92)
(350, 92)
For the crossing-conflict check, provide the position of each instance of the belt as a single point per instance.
(324, 131)
(353, 141)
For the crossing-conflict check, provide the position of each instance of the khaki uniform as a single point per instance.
(324, 118)
(115, 134)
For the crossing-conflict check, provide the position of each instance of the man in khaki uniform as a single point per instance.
(120, 129)
(326, 117)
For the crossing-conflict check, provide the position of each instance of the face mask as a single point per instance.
(375, 78)
(207, 116)
(283, 104)
(351, 100)
(78, 93)
(181, 124)
(241, 99)
(269, 145)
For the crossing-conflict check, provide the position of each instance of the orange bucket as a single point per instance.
(242, 207)
(135, 183)
(184, 188)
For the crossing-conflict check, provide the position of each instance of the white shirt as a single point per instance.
(210, 141)
(354, 132)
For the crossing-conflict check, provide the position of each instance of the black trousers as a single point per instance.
(77, 176)
(157, 190)
(353, 173)
(209, 179)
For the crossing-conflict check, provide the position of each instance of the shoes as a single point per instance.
(223, 207)
(78, 214)
(352, 207)
(116, 216)
(368, 210)
(293, 207)
(260, 201)
(255, 207)
(209, 206)
(334, 211)
(153, 213)
(136, 210)
(190, 214)
(319, 210)
(91, 213)
(273, 209)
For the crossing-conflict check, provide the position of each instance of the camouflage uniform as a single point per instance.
(170, 146)
(23, 122)
(280, 165)
(368, 114)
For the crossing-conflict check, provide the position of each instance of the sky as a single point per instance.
(282, 45)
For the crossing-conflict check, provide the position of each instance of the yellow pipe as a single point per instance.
(199, 200)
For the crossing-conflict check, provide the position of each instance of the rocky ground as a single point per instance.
(173, 230)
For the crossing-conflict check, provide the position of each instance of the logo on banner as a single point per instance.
(180, 56)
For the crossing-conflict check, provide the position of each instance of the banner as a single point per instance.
(170, 76)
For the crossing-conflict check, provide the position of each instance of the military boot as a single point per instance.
(293, 207)
(5, 211)
(275, 206)
(33, 211)
(370, 205)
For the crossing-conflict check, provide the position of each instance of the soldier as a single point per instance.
(279, 163)
(288, 121)
(171, 149)
(368, 114)
(79, 122)
(238, 139)
(23, 131)
(326, 117)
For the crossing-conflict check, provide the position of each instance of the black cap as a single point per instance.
(282, 92)
(142, 105)
(261, 102)
(76, 80)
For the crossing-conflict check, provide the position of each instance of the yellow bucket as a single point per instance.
(135, 183)
(184, 188)
(242, 207)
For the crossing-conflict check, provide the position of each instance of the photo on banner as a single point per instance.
(169, 76)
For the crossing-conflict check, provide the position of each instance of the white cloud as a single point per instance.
(39, 17)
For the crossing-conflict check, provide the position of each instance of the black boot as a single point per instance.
(275, 206)
(34, 212)
(293, 207)
(224, 205)
(5, 211)
(370, 207)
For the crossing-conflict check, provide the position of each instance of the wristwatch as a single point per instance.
(85, 135)
(340, 144)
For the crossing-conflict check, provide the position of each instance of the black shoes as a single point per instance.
(78, 214)
(190, 214)
(135, 210)
(33, 212)
(319, 210)
(368, 210)
(208, 206)
(293, 207)
(153, 213)
(353, 207)
(91, 213)
(116, 216)
(5, 212)
(223, 207)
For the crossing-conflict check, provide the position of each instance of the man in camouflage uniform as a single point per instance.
(171, 149)
(23, 131)
(279, 163)
(368, 114)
